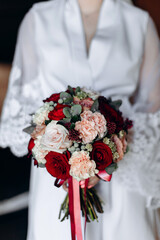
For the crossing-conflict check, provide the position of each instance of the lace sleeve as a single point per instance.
(140, 170)
(21, 100)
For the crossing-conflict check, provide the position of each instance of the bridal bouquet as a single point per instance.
(75, 135)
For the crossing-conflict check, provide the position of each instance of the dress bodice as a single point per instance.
(113, 63)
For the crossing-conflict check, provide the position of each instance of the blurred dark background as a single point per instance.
(15, 172)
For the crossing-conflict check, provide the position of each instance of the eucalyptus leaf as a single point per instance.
(65, 95)
(67, 112)
(29, 129)
(95, 106)
(68, 100)
(111, 168)
(76, 110)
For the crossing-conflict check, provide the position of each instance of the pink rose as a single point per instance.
(81, 166)
(124, 143)
(55, 138)
(98, 119)
(86, 129)
(85, 103)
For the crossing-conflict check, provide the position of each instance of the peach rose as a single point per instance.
(87, 130)
(38, 131)
(81, 166)
(119, 147)
(98, 119)
(55, 138)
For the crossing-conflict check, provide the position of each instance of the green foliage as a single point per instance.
(29, 129)
(75, 118)
(116, 104)
(76, 110)
(95, 106)
(78, 89)
(111, 168)
(67, 98)
(67, 112)
(47, 122)
(70, 89)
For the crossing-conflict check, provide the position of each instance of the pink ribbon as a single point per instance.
(77, 209)
(71, 208)
(104, 175)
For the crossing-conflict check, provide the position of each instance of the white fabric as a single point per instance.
(50, 54)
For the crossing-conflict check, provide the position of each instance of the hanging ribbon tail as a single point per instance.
(77, 209)
(71, 208)
(104, 176)
(85, 202)
(58, 182)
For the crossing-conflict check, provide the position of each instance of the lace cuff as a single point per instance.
(19, 103)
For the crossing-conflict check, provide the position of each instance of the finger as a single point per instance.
(65, 186)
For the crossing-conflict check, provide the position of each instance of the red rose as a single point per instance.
(102, 155)
(57, 113)
(54, 97)
(31, 145)
(110, 114)
(57, 164)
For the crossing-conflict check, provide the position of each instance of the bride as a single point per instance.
(112, 47)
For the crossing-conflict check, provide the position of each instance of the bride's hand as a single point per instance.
(92, 182)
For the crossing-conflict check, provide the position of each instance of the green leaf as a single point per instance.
(111, 168)
(72, 126)
(75, 118)
(64, 121)
(47, 122)
(116, 104)
(78, 89)
(29, 129)
(71, 90)
(95, 106)
(41, 165)
(68, 100)
(67, 112)
(65, 95)
(127, 150)
(76, 110)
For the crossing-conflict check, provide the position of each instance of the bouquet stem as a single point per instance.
(89, 208)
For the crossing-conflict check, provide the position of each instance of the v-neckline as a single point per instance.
(87, 67)
(105, 9)
(83, 28)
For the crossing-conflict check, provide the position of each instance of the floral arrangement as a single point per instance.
(79, 134)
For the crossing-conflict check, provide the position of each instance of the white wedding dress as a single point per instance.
(123, 62)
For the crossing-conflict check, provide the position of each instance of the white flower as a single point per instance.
(55, 138)
(42, 114)
(39, 153)
(92, 94)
